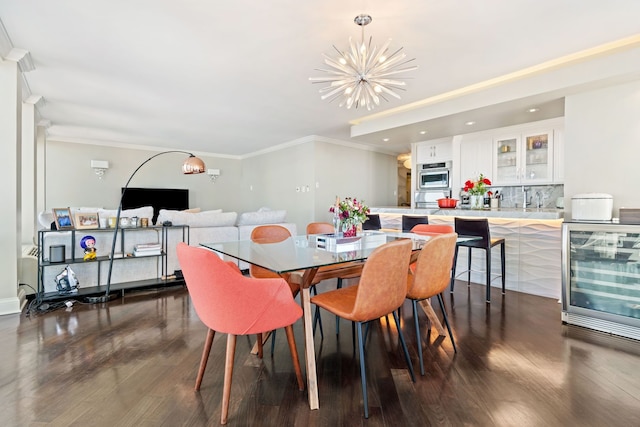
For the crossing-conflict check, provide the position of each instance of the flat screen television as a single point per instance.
(159, 198)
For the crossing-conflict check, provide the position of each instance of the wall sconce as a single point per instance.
(100, 167)
(213, 174)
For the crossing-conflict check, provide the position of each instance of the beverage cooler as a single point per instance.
(601, 277)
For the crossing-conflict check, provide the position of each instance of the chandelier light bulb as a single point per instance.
(362, 74)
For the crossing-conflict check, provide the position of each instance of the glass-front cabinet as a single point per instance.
(601, 277)
(524, 159)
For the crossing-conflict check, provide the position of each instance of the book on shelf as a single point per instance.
(147, 252)
(147, 247)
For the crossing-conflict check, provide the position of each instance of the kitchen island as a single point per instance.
(532, 238)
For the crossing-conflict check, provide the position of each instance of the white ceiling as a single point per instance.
(231, 77)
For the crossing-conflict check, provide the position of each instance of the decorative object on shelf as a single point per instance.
(192, 165)
(351, 213)
(62, 217)
(88, 243)
(86, 220)
(476, 190)
(362, 75)
(66, 282)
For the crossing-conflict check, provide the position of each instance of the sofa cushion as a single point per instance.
(215, 218)
(263, 217)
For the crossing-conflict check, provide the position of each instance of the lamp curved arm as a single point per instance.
(117, 225)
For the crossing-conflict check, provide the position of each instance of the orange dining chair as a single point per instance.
(228, 302)
(326, 228)
(432, 229)
(381, 290)
(271, 234)
(430, 278)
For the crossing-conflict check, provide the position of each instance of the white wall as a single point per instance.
(71, 181)
(602, 144)
(265, 180)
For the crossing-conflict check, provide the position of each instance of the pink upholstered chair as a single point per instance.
(432, 229)
(430, 277)
(228, 302)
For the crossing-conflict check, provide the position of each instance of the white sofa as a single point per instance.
(204, 227)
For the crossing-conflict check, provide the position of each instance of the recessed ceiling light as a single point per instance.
(470, 123)
(422, 132)
(533, 110)
(385, 139)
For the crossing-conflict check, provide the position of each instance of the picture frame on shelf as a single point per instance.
(86, 220)
(63, 218)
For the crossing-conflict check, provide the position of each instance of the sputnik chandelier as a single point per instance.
(360, 76)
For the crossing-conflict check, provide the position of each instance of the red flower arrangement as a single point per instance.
(478, 187)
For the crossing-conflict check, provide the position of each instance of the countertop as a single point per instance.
(528, 213)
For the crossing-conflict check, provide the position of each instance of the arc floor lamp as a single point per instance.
(192, 165)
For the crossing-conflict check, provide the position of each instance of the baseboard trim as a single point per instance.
(12, 305)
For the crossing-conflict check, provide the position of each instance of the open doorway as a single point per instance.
(404, 179)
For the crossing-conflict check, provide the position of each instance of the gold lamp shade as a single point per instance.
(193, 165)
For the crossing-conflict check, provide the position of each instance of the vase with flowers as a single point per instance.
(348, 214)
(476, 190)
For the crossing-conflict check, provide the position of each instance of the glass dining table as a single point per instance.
(337, 256)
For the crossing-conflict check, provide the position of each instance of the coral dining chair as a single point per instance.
(271, 234)
(228, 302)
(381, 290)
(430, 277)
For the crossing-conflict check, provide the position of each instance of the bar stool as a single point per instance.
(372, 222)
(478, 227)
(408, 222)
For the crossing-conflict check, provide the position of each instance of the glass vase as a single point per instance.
(476, 201)
(349, 230)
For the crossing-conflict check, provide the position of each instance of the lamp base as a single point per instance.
(101, 298)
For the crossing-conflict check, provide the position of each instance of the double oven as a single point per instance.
(434, 182)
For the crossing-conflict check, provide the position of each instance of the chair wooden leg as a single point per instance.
(228, 373)
(363, 373)
(414, 304)
(205, 357)
(446, 322)
(294, 356)
(260, 345)
(404, 346)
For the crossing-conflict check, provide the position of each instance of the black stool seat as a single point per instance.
(408, 222)
(478, 227)
(372, 222)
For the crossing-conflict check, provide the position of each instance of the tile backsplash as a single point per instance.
(513, 197)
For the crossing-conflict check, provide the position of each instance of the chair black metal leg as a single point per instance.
(453, 268)
(488, 273)
(414, 304)
(353, 335)
(446, 322)
(273, 341)
(469, 267)
(363, 374)
(316, 316)
(503, 266)
(404, 346)
(338, 286)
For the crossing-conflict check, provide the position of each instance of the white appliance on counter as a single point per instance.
(592, 207)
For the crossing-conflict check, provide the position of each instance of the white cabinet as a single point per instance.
(476, 157)
(438, 150)
(525, 158)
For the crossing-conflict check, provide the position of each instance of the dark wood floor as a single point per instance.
(133, 362)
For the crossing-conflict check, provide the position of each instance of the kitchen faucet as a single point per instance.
(538, 200)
